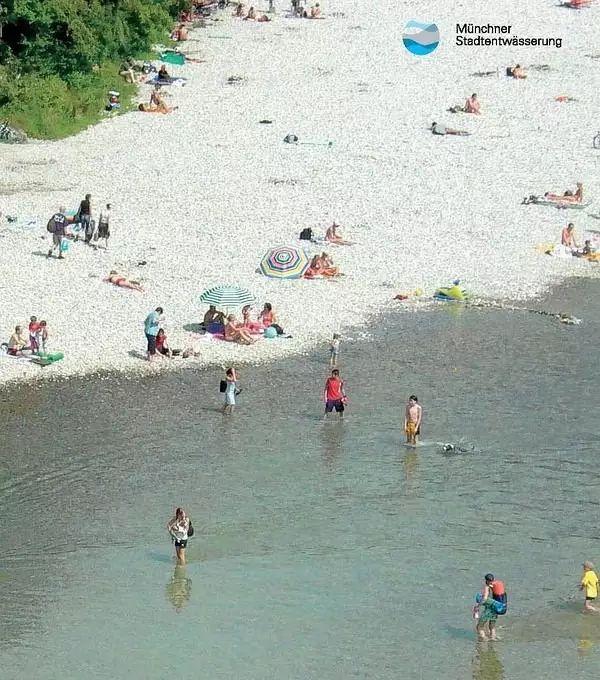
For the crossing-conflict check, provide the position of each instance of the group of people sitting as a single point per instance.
(21, 344)
(568, 242)
(251, 14)
(244, 332)
(299, 11)
(321, 265)
(472, 105)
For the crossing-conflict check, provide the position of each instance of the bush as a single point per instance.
(50, 84)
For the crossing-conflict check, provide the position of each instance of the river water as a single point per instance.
(322, 550)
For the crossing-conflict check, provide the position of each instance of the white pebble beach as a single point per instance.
(194, 193)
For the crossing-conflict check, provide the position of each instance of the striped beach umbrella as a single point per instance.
(227, 296)
(284, 262)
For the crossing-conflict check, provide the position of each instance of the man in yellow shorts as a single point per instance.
(412, 420)
(589, 583)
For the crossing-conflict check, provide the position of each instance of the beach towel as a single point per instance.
(173, 58)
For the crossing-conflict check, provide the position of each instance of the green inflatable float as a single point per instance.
(453, 293)
(45, 359)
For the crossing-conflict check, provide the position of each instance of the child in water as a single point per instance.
(334, 350)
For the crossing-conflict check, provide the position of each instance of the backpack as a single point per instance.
(306, 234)
(51, 225)
(223, 386)
(500, 599)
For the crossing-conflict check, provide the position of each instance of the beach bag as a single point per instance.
(190, 530)
(509, 71)
(223, 386)
(306, 234)
(51, 225)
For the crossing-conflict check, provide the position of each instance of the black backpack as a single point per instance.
(51, 225)
(306, 234)
(223, 386)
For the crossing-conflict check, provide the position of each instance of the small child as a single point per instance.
(589, 583)
(41, 337)
(334, 350)
(33, 329)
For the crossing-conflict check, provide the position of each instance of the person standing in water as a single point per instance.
(180, 529)
(334, 394)
(230, 391)
(589, 583)
(413, 417)
(486, 613)
(334, 350)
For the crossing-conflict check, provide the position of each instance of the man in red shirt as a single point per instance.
(334, 395)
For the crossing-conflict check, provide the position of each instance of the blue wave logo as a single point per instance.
(420, 38)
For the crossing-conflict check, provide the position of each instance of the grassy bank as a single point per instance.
(48, 107)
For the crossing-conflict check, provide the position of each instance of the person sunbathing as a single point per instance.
(568, 196)
(321, 265)
(239, 10)
(315, 11)
(472, 105)
(517, 72)
(251, 15)
(118, 280)
(237, 333)
(439, 129)
(262, 18)
(333, 236)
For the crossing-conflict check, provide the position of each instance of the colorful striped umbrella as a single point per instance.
(227, 296)
(284, 262)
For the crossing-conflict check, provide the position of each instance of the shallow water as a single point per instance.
(322, 550)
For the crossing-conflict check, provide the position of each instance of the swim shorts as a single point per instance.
(336, 404)
(589, 599)
(180, 544)
(411, 429)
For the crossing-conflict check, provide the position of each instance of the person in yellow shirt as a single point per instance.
(589, 583)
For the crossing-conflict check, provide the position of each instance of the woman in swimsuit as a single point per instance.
(251, 14)
(236, 333)
(252, 326)
(116, 279)
(327, 268)
(332, 236)
(567, 237)
(178, 528)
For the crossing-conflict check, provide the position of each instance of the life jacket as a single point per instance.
(499, 596)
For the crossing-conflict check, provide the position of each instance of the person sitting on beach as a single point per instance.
(268, 318)
(251, 326)
(439, 129)
(180, 33)
(567, 237)
(262, 18)
(517, 72)
(235, 332)
(251, 15)
(127, 72)
(327, 268)
(333, 236)
(118, 280)
(18, 345)
(315, 11)
(239, 10)
(472, 105)
(163, 74)
(213, 316)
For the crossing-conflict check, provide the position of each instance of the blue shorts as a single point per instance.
(336, 404)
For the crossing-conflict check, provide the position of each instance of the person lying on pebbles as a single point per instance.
(439, 129)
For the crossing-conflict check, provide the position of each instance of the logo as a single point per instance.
(420, 38)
